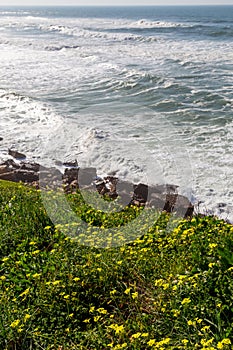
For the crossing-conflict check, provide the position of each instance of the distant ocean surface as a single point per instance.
(142, 92)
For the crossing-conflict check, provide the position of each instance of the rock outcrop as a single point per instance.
(161, 197)
(15, 154)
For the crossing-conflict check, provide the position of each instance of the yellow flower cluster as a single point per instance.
(222, 344)
(117, 328)
(159, 344)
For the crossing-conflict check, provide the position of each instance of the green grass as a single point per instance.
(169, 289)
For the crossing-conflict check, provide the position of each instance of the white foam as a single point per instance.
(25, 124)
(143, 23)
(115, 63)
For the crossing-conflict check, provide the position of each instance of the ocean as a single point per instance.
(141, 92)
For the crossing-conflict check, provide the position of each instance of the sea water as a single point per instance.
(141, 92)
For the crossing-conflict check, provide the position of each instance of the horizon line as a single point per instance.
(147, 5)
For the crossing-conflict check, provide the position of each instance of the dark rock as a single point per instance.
(111, 183)
(99, 181)
(15, 154)
(1, 138)
(222, 205)
(140, 193)
(170, 202)
(183, 206)
(165, 197)
(162, 197)
(157, 201)
(10, 176)
(26, 175)
(11, 164)
(30, 166)
(107, 186)
(71, 163)
(101, 188)
(178, 204)
(74, 184)
(86, 177)
(70, 175)
(4, 169)
(125, 192)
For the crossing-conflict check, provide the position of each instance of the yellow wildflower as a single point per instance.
(112, 292)
(26, 317)
(25, 292)
(199, 320)
(145, 334)
(165, 286)
(76, 279)
(205, 329)
(135, 295)
(120, 346)
(101, 310)
(35, 252)
(151, 342)
(15, 324)
(96, 318)
(159, 283)
(205, 342)
(212, 245)
(87, 320)
(116, 328)
(136, 335)
(119, 329)
(56, 282)
(224, 342)
(175, 312)
(127, 291)
(211, 264)
(5, 259)
(186, 301)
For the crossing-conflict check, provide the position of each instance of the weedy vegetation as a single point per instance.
(166, 289)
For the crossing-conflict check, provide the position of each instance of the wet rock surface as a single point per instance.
(15, 154)
(161, 197)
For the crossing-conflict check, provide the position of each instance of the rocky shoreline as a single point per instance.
(161, 197)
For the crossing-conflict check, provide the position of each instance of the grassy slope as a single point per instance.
(168, 290)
